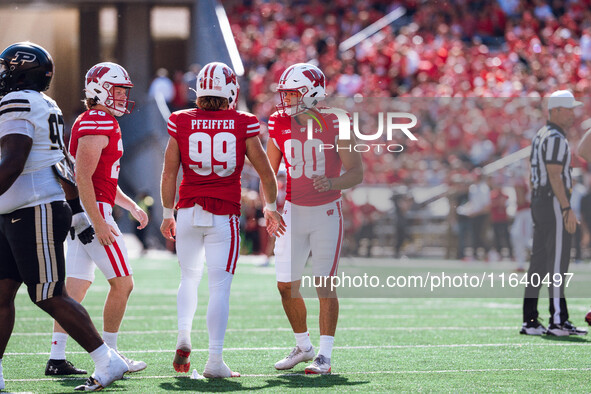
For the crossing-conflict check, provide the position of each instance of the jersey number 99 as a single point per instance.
(203, 150)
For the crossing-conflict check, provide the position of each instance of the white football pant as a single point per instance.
(112, 260)
(202, 236)
(316, 229)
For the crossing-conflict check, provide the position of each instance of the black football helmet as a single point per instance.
(25, 65)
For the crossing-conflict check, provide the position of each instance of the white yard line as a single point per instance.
(278, 375)
(33, 334)
(241, 349)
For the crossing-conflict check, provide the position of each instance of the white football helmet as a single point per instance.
(233, 101)
(305, 79)
(100, 80)
(217, 79)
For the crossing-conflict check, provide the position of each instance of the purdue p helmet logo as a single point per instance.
(23, 57)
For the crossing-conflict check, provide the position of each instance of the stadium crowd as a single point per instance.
(496, 59)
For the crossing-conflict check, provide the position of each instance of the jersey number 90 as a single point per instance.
(204, 149)
(304, 159)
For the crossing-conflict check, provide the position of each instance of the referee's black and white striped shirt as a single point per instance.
(549, 146)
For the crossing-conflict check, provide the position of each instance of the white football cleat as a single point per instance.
(102, 378)
(296, 356)
(219, 370)
(132, 365)
(320, 366)
(91, 384)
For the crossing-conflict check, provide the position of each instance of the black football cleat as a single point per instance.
(62, 367)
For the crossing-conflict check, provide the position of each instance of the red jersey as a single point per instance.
(212, 145)
(498, 209)
(305, 158)
(106, 175)
(522, 194)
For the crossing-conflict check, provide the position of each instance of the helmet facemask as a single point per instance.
(4, 75)
(292, 101)
(119, 106)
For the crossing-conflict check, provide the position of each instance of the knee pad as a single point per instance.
(219, 278)
(191, 274)
(43, 291)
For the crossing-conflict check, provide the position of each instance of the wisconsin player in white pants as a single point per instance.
(211, 143)
(97, 146)
(312, 211)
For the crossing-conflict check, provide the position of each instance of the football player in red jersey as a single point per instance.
(211, 143)
(96, 145)
(312, 211)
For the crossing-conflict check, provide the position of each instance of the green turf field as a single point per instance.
(392, 344)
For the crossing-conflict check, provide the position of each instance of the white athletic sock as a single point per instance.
(326, 342)
(215, 358)
(100, 356)
(58, 346)
(303, 340)
(2, 385)
(186, 299)
(110, 339)
(218, 308)
(183, 339)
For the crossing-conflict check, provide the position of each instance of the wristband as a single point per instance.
(271, 206)
(167, 213)
(565, 209)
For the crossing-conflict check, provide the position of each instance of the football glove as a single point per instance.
(82, 227)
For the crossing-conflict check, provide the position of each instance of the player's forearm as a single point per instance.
(262, 193)
(71, 191)
(269, 185)
(124, 201)
(168, 190)
(262, 165)
(88, 199)
(558, 189)
(348, 179)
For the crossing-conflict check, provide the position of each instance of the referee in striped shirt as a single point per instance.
(554, 220)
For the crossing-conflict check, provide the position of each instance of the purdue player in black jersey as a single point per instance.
(34, 215)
